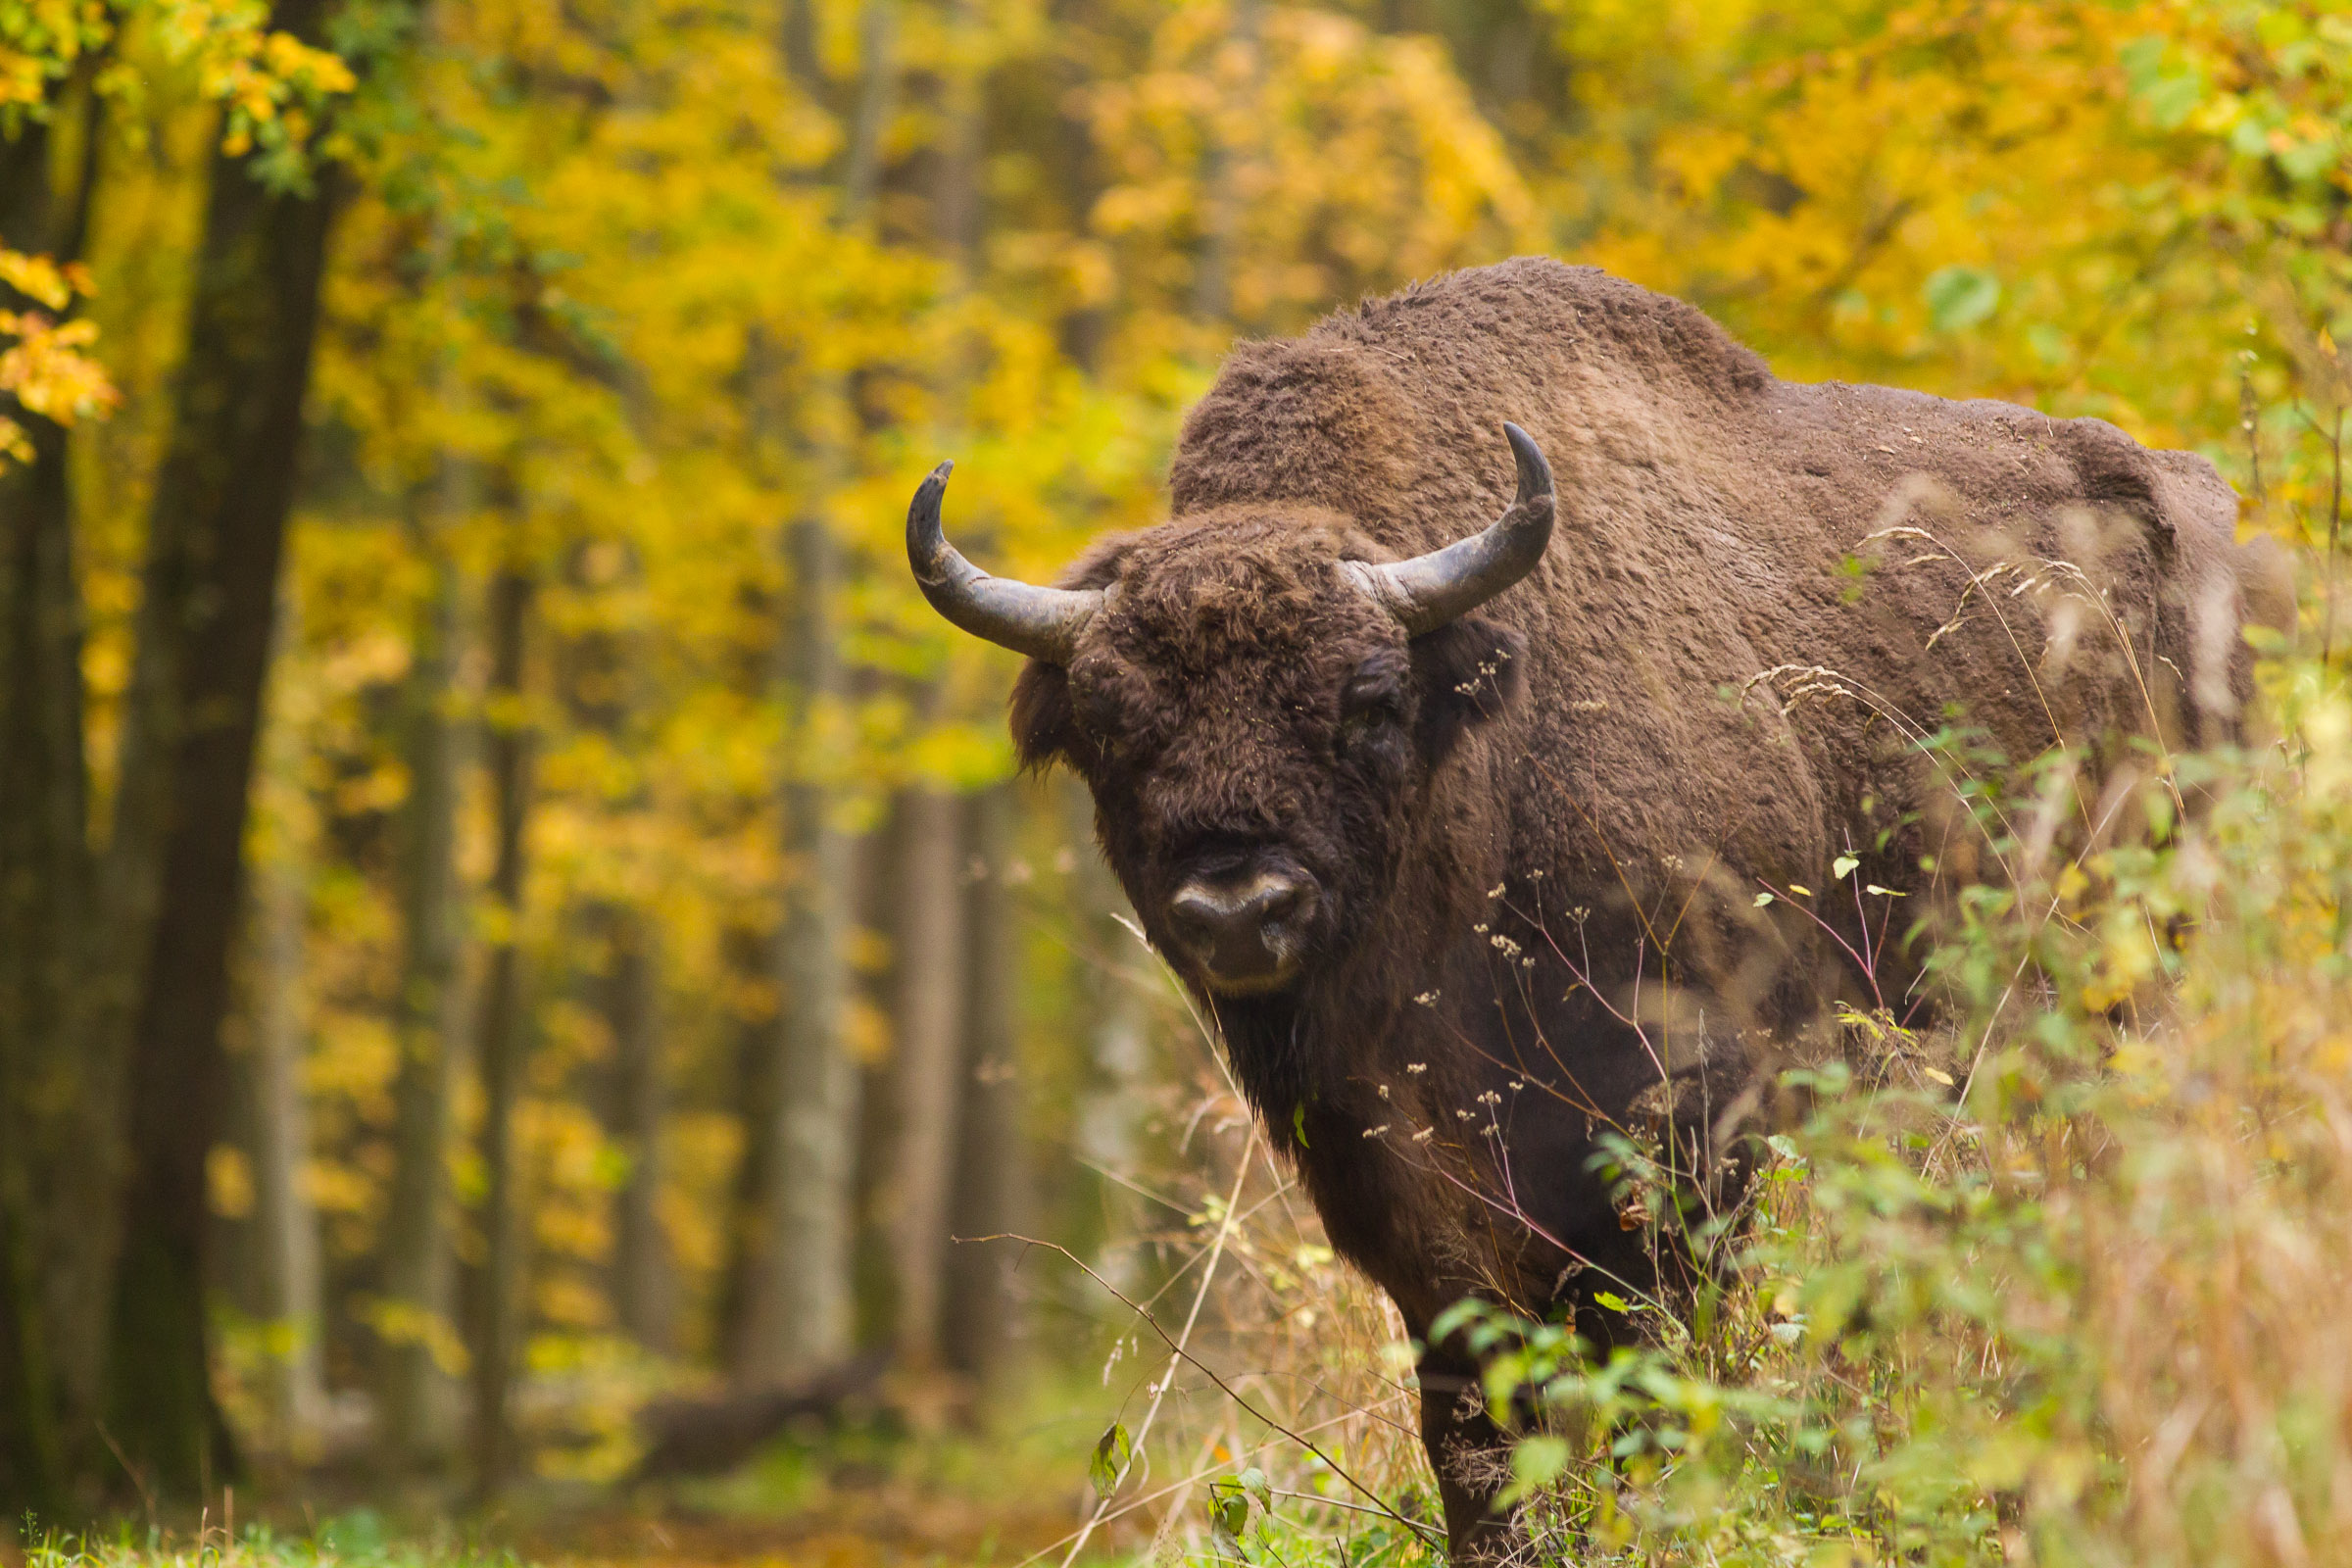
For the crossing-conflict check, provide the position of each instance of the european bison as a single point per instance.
(1459, 838)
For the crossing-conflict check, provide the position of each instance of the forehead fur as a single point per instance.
(1237, 584)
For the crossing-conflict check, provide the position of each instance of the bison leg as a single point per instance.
(1472, 1456)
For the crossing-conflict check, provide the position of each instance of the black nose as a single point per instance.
(1247, 932)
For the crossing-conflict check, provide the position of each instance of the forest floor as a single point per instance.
(882, 1527)
(845, 1499)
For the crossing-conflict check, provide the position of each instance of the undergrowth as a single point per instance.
(2063, 1278)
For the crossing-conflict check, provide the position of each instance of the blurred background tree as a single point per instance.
(621, 956)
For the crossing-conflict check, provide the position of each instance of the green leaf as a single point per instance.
(1612, 1300)
(1959, 297)
(1762, 899)
(1842, 868)
(2308, 159)
(2174, 98)
(1110, 1459)
(1298, 1123)
(1228, 1515)
(1253, 1481)
(1535, 1462)
(2143, 59)
(1461, 1314)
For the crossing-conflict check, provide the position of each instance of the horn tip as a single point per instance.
(1530, 456)
(935, 481)
(926, 539)
(1535, 472)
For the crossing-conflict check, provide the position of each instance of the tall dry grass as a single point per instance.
(1256, 1389)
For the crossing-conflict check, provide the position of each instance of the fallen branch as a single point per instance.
(708, 1436)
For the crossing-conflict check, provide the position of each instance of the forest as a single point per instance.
(538, 1013)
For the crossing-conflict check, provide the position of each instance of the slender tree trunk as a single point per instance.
(214, 537)
(1221, 192)
(641, 1275)
(414, 1313)
(801, 1313)
(45, 868)
(927, 1077)
(1118, 1037)
(595, 672)
(817, 1111)
(873, 1221)
(957, 202)
(932, 1080)
(985, 1322)
(284, 1229)
(743, 1314)
(503, 1042)
(877, 101)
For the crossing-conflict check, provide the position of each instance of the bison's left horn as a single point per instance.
(1429, 591)
(1042, 623)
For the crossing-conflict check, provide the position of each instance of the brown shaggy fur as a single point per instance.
(1594, 743)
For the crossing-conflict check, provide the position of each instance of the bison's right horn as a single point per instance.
(1429, 591)
(1042, 623)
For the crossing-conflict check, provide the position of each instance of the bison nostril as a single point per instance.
(1279, 901)
(1198, 913)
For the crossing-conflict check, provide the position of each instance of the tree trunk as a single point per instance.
(416, 1309)
(744, 1312)
(503, 1042)
(216, 532)
(873, 906)
(286, 1228)
(927, 1078)
(985, 1322)
(931, 1076)
(802, 1314)
(641, 1277)
(1222, 197)
(816, 1130)
(1117, 973)
(46, 872)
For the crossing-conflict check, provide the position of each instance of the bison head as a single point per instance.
(1258, 705)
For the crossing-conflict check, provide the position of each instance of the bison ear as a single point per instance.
(1044, 726)
(1468, 671)
(1042, 717)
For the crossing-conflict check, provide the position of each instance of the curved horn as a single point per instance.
(1042, 623)
(1428, 591)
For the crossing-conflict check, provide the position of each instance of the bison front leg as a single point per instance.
(1472, 1456)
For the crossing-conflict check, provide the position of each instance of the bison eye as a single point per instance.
(1370, 701)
